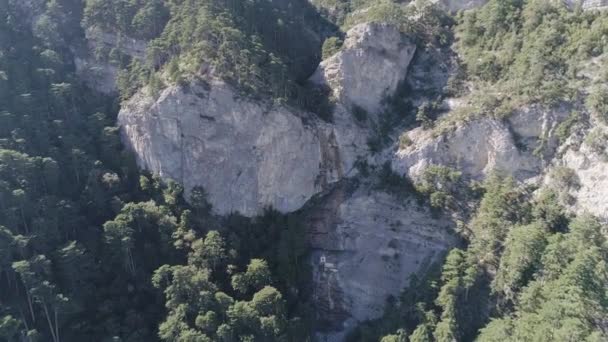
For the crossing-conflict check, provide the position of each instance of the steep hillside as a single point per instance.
(323, 170)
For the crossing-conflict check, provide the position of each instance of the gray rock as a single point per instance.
(484, 145)
(590, 171)
(247, 155)
(372, 62)
(366, 244)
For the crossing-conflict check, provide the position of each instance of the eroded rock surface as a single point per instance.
(373, 60)
(366, 244)
(585, 156)
(247, 155)
(512, 146)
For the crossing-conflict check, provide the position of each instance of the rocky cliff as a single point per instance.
(581, 170)
(369, 67)
(518, 145)
(366, 244)
(250, 155)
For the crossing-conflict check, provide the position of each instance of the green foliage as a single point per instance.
(530, 50)
(520, 259)
(561, 303)
(136, 18)
(564, 129)
(596, 140)
(264, 48)
(565, 178)
(400, 336)
(256, 277)
(330, 47)
(440, 184)
(404, 141)
(85, 239)
(527, 274)
(502, 206)
(427, 113)
(197, 306)
(424, 21)
(597, 102)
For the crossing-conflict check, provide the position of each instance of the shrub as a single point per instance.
(440, 183)
(565, 178)
(596, 140)
(564, 129)
(597, 102)
(331, 46)
(404, 141)
(426, 113)
(359, 113)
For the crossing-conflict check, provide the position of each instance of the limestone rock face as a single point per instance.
(101, 74)
(589, 163)
(484, 145)
(247, 155)
(366, 244)
(372, 62)
(592, 172)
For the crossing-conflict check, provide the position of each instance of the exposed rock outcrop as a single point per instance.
(372, 62)
(484, 145)
(366, 245)
(249, 155)
(585, 157)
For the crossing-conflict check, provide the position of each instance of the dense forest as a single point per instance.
(93, 249)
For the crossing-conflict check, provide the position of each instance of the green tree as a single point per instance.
(255, 278)
(330, 47)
